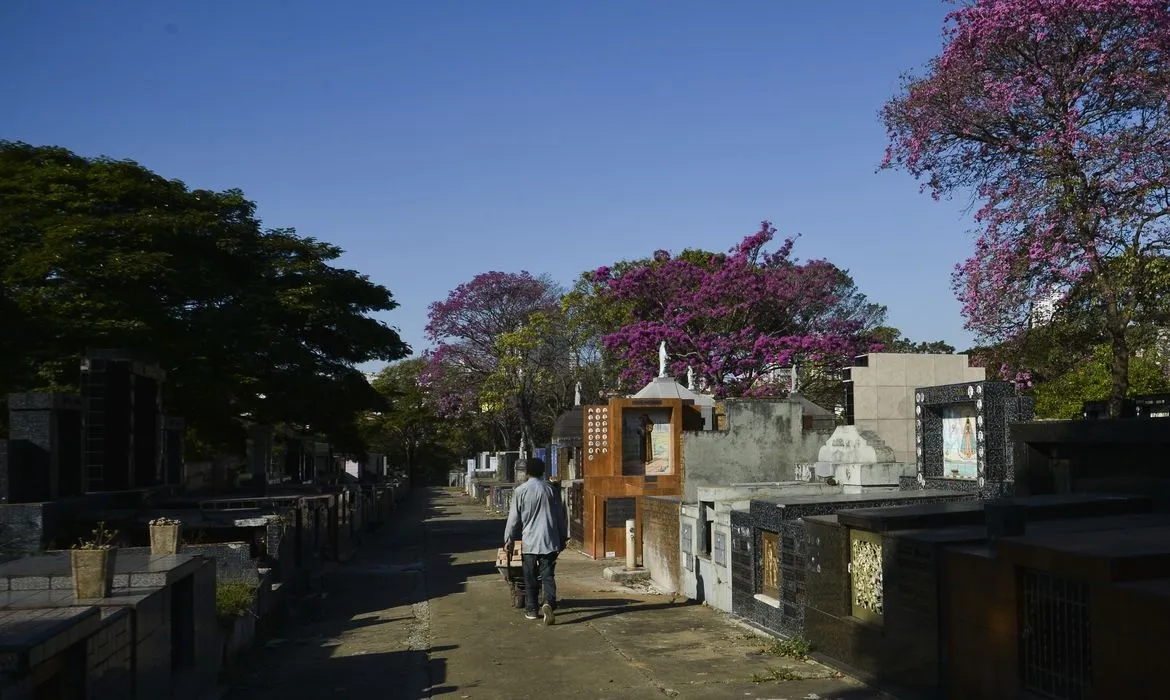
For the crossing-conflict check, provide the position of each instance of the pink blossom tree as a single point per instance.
(1053, 115)
(481, 365)
(735, 318)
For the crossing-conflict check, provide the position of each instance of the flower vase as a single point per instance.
(164, 539)
(93, 572)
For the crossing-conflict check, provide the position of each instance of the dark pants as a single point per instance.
(544, 566)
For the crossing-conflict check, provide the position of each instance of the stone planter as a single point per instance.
(93, 572)
(164, 539)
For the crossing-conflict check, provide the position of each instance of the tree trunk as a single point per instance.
(1119, 386)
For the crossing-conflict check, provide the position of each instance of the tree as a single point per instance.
(248, 323)
(408, 430)
(892, 340)
(483, 362)
(737, 318)
(1054, 114)
(1063, 397)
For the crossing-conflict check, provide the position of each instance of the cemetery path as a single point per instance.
(422, 612)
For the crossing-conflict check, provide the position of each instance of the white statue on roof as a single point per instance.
(662, 359)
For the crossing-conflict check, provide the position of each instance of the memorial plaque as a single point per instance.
(770, 564)
(719, 549)
(686, 538)
(619, 510)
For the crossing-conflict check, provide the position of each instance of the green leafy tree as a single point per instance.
(407, 430)
(891, 340)
(1064, 396)
(249, 323)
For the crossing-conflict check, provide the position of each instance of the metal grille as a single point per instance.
(1055, 640)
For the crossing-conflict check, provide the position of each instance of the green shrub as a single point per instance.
(233, 598)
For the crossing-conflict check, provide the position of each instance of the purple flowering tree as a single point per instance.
(1055, 116)
(481, 365)
(736, 318)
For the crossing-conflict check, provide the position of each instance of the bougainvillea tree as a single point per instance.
(1055, 116)
(736, 318)
(482, 362)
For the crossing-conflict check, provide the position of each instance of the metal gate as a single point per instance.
(1055, 638)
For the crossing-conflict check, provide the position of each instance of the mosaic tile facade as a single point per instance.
(795, 563)
(996, 407)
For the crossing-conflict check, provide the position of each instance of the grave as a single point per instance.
(1093, 456)
(876, 596)
(1069, 609)
(704, 565)
(161, 613)
(859, 460)
(963, 437)
(769, 549)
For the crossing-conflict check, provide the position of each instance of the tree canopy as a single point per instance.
(249, 323)
(1055, 116)
(496, 351)
(735, 318)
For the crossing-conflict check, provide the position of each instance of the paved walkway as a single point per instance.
(422, 612)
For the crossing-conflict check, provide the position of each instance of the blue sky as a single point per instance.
(436, 139)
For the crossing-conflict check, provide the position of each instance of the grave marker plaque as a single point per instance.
(770, 564)
(719, 549)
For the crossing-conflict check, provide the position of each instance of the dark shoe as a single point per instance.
(549, 616)
(531, 615)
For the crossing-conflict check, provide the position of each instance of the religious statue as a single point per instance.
(662, 359)
(691, 378)
(577, 395)
(967, 444)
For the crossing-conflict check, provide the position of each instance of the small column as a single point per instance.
(631, 555)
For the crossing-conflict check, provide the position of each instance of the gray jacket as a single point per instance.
(537, 517)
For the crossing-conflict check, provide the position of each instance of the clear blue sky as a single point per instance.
(436, 139)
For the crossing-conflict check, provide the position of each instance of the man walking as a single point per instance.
(537, 518)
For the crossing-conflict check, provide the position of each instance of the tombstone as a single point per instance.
(962, 436)
(859, 460)
(44, 448)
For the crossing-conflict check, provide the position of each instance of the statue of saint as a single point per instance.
(691, 378)
(577, 395)
(662, 359)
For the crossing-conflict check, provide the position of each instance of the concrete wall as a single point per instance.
(764, 440)
(660, 541)
(709, 580)
(883, 392)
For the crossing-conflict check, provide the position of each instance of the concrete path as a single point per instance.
(422, 612)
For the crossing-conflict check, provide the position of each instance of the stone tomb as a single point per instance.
(65, 653)
(162, 609)
(874, 598)
(769, 547)
(962, 436)
(858, 460)
(1093, 456)
(705, 535)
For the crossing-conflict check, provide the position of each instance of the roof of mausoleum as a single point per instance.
(668, 388)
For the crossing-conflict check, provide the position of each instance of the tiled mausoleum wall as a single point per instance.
(997, 406)
(788, 617)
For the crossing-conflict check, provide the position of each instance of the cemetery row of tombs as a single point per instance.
(200, 557)
(940, 543)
